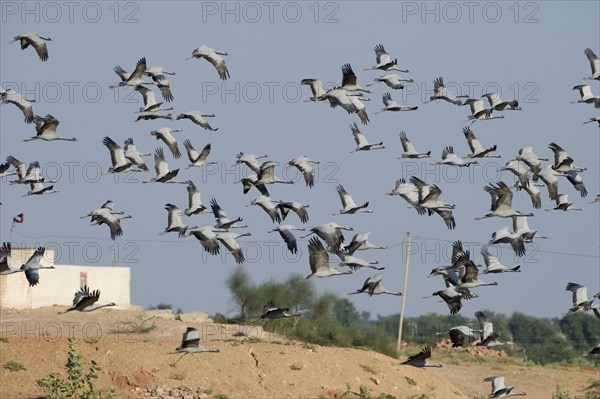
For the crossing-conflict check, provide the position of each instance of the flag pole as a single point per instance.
(10, 234)
(409, 234)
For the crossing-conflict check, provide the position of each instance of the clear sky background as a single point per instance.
(529, 51)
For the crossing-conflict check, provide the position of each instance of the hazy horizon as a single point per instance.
(532, 52)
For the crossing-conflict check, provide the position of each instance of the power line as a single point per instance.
(398, 244)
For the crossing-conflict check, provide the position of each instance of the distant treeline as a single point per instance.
(328, 319)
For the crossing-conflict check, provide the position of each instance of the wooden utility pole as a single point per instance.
(404, 290)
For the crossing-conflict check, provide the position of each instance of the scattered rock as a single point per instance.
(195, 317)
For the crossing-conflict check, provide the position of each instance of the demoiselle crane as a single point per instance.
(10, 96)
(409, 149)
(349, 207)
(319, 261)
(441, 92)
(393, 106)
(175, 224)
(384, 61)
(36, 41)
(190, 343)
(46, 129)
(86, 301)
(362, 144)
(214, 57)
(420, 359)
(161, 167)
(372, 286)
(285, 231)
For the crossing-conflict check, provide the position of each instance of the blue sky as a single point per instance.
(530, 51)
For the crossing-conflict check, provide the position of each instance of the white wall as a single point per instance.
(57, 286)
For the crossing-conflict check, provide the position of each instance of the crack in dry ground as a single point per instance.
(260, 375)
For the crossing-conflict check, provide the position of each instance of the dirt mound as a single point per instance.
(135, 350)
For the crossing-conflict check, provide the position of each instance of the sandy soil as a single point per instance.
(137, 364)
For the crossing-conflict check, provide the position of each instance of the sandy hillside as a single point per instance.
(137, 364)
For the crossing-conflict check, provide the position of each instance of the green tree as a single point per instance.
(581, 329)
(345, 312)
(540, 341)
(300, 292)
(242, 289)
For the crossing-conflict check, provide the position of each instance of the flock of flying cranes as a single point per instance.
(460, 278)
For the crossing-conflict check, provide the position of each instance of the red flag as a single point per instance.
(19, 218)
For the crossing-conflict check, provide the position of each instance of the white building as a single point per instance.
(57, 286)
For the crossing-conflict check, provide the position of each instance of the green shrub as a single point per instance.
(77, 385)
(14, 366)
